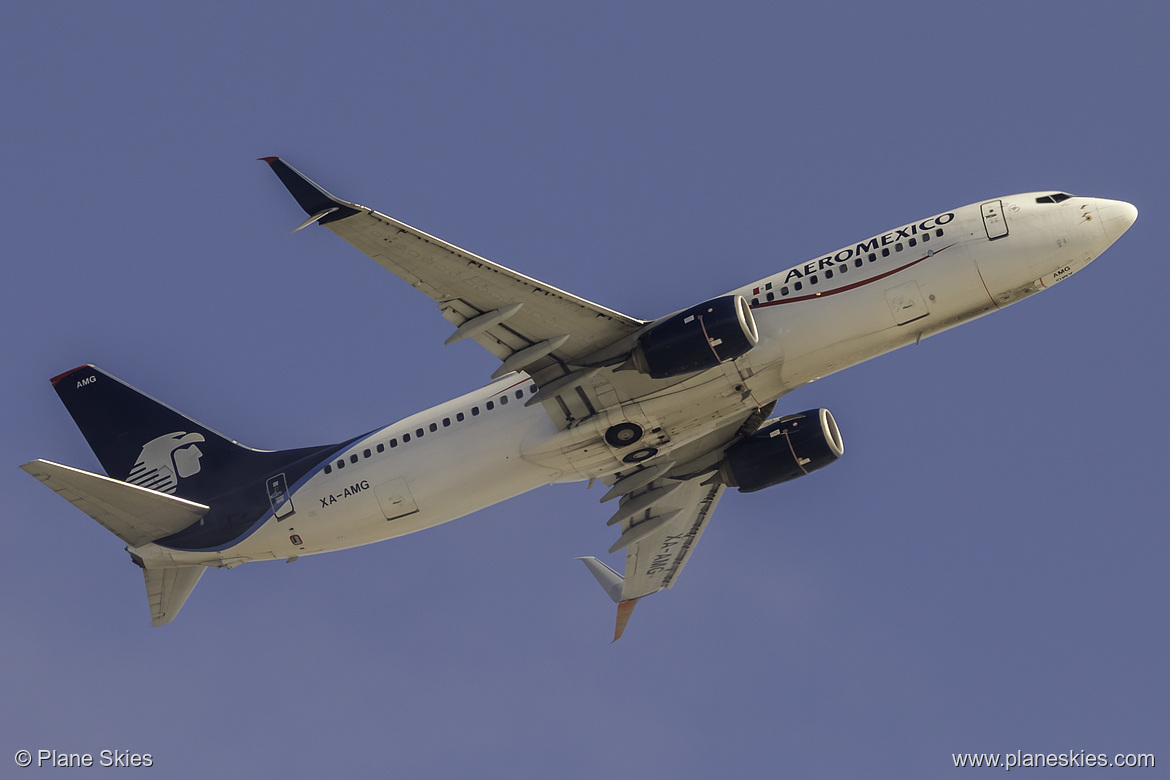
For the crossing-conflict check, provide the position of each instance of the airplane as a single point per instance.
(667, 413)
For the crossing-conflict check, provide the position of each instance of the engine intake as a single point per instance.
(788, 448)
(697, 338)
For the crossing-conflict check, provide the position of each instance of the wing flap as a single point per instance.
(658, 540)
(655, 561)
(135, 515)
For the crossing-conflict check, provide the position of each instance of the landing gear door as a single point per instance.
(993, 221)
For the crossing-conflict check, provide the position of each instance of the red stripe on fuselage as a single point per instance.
(846, 288)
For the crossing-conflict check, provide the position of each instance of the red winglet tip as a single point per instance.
(269, 160)
(625, 609)
(59, 377)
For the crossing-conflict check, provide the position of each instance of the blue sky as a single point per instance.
(983, 572)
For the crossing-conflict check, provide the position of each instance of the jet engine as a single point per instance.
(785, 449)
(697, 338)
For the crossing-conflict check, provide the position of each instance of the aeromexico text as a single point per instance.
(872, 245)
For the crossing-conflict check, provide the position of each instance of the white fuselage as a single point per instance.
(814, 319)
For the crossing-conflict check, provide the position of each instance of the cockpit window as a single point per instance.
(1056, 197)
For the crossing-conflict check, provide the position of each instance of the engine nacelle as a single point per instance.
(785, 449)
(697, 338)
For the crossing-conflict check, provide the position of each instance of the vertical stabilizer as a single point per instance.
(147, 444)
(142, 441)
(171, 480)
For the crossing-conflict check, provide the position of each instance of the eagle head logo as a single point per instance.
(165, 460)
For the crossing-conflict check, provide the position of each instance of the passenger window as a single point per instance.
(755, 301)
(405, 438)
(475, 411)
(939, 232)
(885, 251)
(490, 405)
(771, 297)
(503, 400)
(828, 273)
(341, 464)
(328, 468)
(873, 257)
(419, 433)
(857, 262)
(381, 447)
(812, 279)
(459, 417)
(353, 458)
(913, 242)
(783, 290)
(366, 453)
(898, 247)
(926, 237)
(519, 394)
(446, 422)
(434, 427)
(797, 286)
(393, 443)
(532, 389)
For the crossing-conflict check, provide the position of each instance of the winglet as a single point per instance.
(613, 583)
(610, 580)
(317, 203)
(625, 609)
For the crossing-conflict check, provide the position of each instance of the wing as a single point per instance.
(663, 508)
(524, 322)
(661, 522)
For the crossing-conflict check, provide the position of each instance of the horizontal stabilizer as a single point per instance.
(135, 515)
(167, 590)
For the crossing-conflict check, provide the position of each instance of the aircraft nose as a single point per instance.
(1116, 217)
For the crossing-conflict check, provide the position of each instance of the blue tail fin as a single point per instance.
(146, 443)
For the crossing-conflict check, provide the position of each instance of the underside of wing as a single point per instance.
(661, 524)
(527, 324)
(661, 521)
(663, 506)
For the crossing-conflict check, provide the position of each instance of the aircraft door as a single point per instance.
(279, 497)
(395, 499)
(993, 220)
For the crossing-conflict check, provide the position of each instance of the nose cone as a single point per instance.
(1116, 217)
